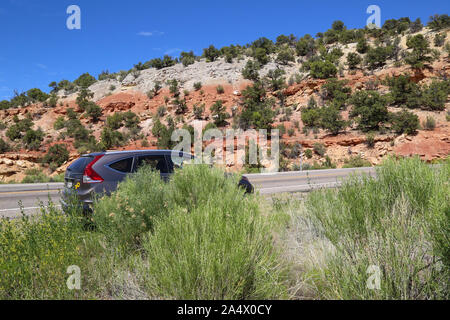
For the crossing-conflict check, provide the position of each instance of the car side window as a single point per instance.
(124, 165)
(155, 162)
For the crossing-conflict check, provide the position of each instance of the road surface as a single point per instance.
(13, 197)
(30, 195)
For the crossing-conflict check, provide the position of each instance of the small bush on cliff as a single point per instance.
(319, 149)
(4, 146)
(33, 138)
(322, 69)
(353, 60)
(420, 54)
(251, 70)
(56, 156)
(331, 120)
(429, 123)
(219, 114)
(197, 86)
(257, 109)
(85, 80)
(405, 122)
(369, 109)
(435, 95)
(211, 53)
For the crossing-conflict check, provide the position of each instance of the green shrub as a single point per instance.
(331, 120)
(319, 149)
(251, 70)
(370, 139)
(197, 86)
(370, 109)
(405, 122)
(220, 89)
(93, 111)
(275, 79)
(198, 111)
(112, 138)
(56, 155)
(33, 138)
(187, 58)
(311, 114)
(36, 95)
(356, 162)
(305, 46)
(376, 57)
(439, 22)
(405, 235)
(429, 124)
(337, 92)
(285, 56)
(35, 255)
(14, 132)
(322, 69)
(85, 80)
(174, 87)
(230, 233)
(308, 153)
(161, 111)
(4, 146)
(60, 123)
(362, 46)
(5, 104)
(257, 109)
(420, 53)
(404, 92)
(261, 55)
(353, 60)
(115, 121)
(435, 95)
(219, 114)
(211, 53)
(439, 39)
(132, 209)
(416, 26)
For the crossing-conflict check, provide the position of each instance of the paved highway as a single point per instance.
(30, 195)
(27, 196)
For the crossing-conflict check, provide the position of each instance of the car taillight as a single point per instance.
(89, 175)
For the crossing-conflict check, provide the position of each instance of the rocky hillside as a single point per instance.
(346, 102)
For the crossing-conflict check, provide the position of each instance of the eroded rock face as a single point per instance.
(131, 95)
(14, 168)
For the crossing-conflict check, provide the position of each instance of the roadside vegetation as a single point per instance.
(199, 237)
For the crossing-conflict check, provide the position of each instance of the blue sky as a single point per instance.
(37, 47)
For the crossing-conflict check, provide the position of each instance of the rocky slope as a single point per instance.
(131, 94)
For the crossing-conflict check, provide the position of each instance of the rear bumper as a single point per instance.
(86, 205)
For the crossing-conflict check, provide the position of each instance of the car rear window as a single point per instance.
(80, 164)
(123, 165)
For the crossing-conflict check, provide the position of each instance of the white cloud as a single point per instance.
(150, 33)
(40, 65)
(173, 50)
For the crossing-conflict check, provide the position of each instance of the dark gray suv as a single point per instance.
(100, 173)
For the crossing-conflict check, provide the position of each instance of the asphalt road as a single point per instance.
(29, 197)
(32, 195)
